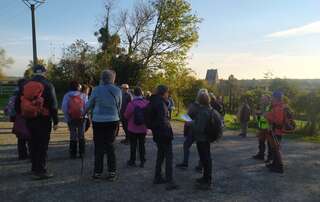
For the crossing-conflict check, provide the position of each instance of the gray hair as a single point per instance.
(201, 92)
(108, 77)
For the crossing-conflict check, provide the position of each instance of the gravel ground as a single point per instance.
(237, 177)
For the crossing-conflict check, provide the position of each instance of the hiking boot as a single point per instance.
(198, 169)
(97, 176)
(171, 186)
(111, 177)
(275, 169)
(42, 176)
(159, 180)
(182, 166)
(258, 157)
(131, 164)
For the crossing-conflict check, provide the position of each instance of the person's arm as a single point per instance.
(129, 111)
(64, 106)
(53, 105)
(91, 102)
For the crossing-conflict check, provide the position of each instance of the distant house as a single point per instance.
(212, 76)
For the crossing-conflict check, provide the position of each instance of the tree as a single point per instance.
(163, 30)
(5, 62)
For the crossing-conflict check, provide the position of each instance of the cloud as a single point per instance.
(311, 28)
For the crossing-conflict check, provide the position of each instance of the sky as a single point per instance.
(246, 38)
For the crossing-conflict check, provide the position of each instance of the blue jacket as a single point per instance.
(105, 103)
(65, 102)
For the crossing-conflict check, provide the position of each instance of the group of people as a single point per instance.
(105, 106)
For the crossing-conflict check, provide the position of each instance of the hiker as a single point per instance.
(162, 135)
(37, 103)
(126, 99)
(215, 104)
(276, 120)
(105, 103)
(171, 106)
(189, 136)
(244, 117)
(19, 124)
(136, 127)
(198, 127)
(73, 106)
(263, 126)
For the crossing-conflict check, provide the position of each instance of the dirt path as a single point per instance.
(236, 176)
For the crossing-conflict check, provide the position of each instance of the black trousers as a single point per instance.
(262, 144)
(164, 154)
(205, 158)
(103, 136)
(137, 139)
(125, 128)
(40, 129)
(23, 148)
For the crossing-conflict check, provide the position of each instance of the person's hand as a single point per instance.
(55, 127)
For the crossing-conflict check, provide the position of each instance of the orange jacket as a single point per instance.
(276, 117)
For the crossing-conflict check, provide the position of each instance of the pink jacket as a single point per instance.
(133, 128)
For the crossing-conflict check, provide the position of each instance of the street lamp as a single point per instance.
(33, 4)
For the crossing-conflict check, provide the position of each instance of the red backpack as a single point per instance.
(76, 105)
(32, 100)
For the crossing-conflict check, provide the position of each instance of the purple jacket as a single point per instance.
(129, 115)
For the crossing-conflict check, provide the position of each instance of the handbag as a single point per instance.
(20, 128)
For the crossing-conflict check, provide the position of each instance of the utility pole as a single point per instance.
(33, 4)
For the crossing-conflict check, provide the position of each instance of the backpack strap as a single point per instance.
(115, 100)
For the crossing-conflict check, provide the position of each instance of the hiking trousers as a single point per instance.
(275, 141)
(104, 134)
(262, 138)
(244, 128)
(164, 153)
(137, 139)
(40, 129)
(77, 129)
(205, 158)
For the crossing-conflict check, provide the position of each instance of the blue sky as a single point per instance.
(241, 37)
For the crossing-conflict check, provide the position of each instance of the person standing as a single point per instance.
(37, 103)
(105, 103)
(136, 127)
(126, 99)
(244, 117)
(276, 120)
(189, 136)
(198, 127)
(19, 125)
(73, 106)
(162, 136)
(263, 129)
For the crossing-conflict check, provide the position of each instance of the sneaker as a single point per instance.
(275, 169)
(97, 176)
(131, 164)
(258, 157)
(171, 186)
(42, 176)
(159, 180)
(112, 177)
(182, 166)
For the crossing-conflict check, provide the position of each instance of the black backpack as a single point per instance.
(138, 116)
(214, 127)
